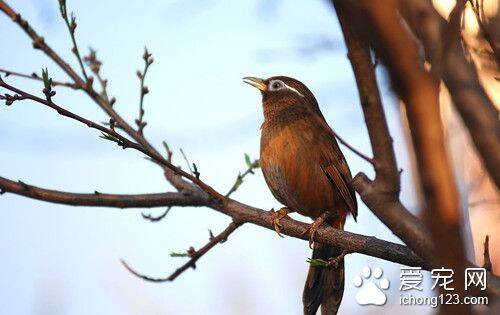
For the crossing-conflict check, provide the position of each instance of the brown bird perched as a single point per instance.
(306, 171)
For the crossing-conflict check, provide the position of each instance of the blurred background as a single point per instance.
(58, 259)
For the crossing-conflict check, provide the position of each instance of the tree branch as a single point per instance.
(152, 218)
(71, 25)
(353, 149)
(95, 66)
(351, 242)
(420, 93)
(35, 76)
(148, 60)
(111, 133)
(239, 179)
(98, 199)
(193, 254)
(382, 194)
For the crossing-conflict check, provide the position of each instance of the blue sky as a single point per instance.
(65, 260)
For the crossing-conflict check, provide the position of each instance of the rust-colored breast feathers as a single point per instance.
(304, 168)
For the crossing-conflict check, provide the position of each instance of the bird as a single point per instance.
(306, 171)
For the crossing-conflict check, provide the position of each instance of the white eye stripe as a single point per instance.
(294, 90)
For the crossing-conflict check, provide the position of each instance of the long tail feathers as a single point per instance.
(324, 285)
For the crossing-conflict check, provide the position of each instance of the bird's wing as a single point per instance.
(342, 184)
(335, 167)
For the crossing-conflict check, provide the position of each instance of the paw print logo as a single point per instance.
(371, 293)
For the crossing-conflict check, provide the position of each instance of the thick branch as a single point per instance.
(350, 242)
(394, 214)
(420, 93)
(98, 199)
(381, 195)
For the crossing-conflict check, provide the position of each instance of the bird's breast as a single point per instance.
(291, 162)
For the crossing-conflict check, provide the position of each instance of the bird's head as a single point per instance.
(281, 92)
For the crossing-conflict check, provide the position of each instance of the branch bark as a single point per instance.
(420, 93)
(382, 194)
(98, 199)
(242, 213)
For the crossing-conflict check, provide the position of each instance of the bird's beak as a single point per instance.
(255, 82)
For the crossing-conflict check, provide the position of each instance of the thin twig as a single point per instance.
(95, 66)
(148, 60)
(152, 218)
(239, 179)
(169, 152)
(184, 156)
(71, 25)
(353, 149)
(35, 76)
(111, 133)
(8, 10)
(194, 256)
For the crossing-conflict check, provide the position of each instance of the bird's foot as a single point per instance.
(315, 225)
(276, 218)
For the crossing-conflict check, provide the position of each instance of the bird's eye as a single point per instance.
(276, 85)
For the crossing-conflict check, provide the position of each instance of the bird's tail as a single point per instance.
(324, 285)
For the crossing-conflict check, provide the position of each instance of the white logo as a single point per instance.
(475, 277)
(411, 278)
(369, 292)
(443, 277)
